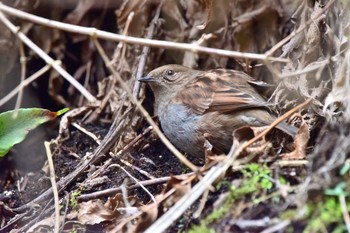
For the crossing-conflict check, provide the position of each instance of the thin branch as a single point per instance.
(54, 187)
(345, 211)
(55, 64)
(133, 142)
(307, 69)
(276, 122)
(292, 163)
(113, 191)
(136, 168)
(278, 227)
(135, 40)
(294, 33)
(202, 203)
(145, 52)
(23, 75)
(87, 132)
(136, 181)
(23, 84)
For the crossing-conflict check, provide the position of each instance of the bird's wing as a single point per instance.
(220, 90)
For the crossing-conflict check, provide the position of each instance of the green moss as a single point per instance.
(201, 229)
(73, 201)
(256, 179)
(289, 214)
(323, 214)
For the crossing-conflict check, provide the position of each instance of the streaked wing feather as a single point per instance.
(234, 100)
(196, 98)
(219, 90)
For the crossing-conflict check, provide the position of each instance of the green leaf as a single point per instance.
(345, 168)
(338, 190)
(62, 111)
(15, 125)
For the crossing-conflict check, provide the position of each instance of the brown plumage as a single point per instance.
(195, 105)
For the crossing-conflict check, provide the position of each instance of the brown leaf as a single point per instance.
(258, 149)
(141, 11)
(49, 223)
(153, 211)
(82, 8)
(313, 36)
(147, 218)
(208, 5)
(94, 212)
(300, 143)
(180, 191)
(174, 21)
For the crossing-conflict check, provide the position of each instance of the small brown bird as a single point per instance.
(195, 105)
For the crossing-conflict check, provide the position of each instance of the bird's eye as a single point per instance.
(170, 72)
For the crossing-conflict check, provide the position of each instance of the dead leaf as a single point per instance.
(208, 5)
(152, 211)
(141, 10)
(95, 212)
(300, 143)
(49, 222)
(180, 191)
(147, 218)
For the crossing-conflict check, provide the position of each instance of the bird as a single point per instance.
(194, 106)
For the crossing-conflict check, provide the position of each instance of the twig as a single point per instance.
(23, 84)
(135, 40)
(65, 211)
(345, 211)
(132, 142)
(121, 46)
(201, 204)
(55, 64)
(126, 163)
(276, 122)
(86, 81)
(252, 223)
(23, 75)
(54, 187)
(278, 227)
(136, 181)
(307, 69)
(145, 52)
(294, 33)
(113, 191)
(292, 163)
(88, 133)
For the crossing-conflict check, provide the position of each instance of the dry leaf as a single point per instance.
(94, 212)
(140, 19)
(300, 143)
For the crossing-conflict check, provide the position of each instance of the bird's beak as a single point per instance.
(146, 79)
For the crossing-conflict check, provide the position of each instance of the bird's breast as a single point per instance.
(180, 125)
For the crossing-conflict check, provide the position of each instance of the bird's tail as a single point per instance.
(289, 129)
